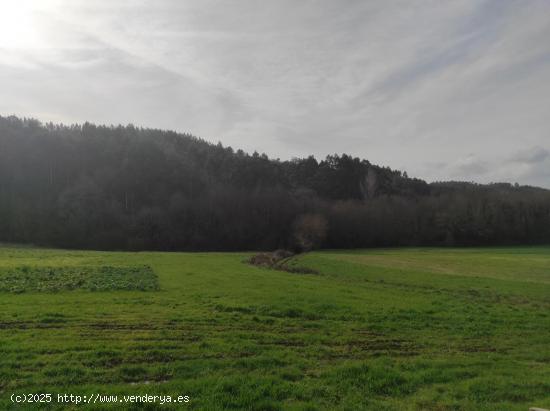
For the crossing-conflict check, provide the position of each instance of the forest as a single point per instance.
(130, 188)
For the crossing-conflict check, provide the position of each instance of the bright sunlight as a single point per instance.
(19, 22)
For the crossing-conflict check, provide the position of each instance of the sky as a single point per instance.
(445, 90)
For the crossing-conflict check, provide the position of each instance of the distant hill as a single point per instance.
(88, 186)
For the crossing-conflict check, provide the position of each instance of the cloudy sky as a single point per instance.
(441, 89)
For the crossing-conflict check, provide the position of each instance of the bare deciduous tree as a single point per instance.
(309, 231)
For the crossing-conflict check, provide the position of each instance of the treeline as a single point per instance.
(87, 186)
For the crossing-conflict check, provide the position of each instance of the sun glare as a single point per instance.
(17, 23)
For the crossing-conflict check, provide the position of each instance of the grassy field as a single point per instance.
(396, 329)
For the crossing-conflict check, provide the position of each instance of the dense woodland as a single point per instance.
(87, 186)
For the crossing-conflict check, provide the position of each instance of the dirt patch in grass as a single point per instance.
(54, 279)
(282, 260)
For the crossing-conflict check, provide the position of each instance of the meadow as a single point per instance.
(381, 329)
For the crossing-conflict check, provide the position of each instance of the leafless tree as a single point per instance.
(309, 231)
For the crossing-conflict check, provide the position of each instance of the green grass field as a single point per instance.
(396, 329)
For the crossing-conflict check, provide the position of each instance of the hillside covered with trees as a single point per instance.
(128, 188)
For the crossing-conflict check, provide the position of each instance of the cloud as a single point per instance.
(526, 166)
(412, 85)
(470, 167)
(532, 165)
(532, 155)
